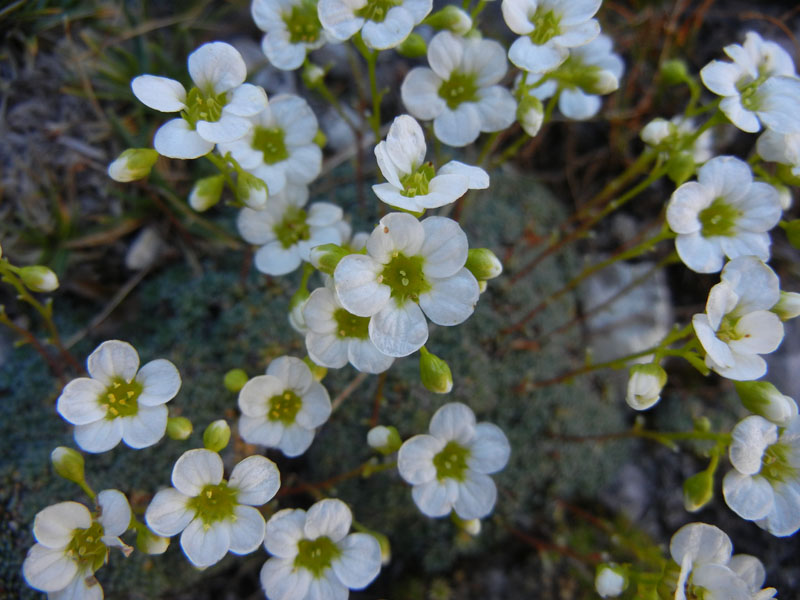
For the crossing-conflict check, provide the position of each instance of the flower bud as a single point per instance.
(38, 278)
(674, 71)
(763, 399)
(656, 131)
(68, 463)
(413, 46)
(296, 305)
(451, 18)
(472, 527)
(784, 195)
(645, 385)
(312, 75)
(326, 257)
(150, 543)
(698, 490)
(235, 379)
(317, 372)
(133, 164)
(320, 139)
(610, 580)
(680, 167)
(206, 192)
(385, 440)
(251, 191)
(530, 114)
(385, 546)
(179, 428)
(217, 435)
(788, 307)
(434, 372)
(603, 82)
(483, 264)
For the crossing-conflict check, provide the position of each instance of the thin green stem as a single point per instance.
(224, 168)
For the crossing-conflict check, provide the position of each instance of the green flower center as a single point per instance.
(203, 107)
(403, 274)
(461, 87)
(719, 219)
(775, 466)
(546, 26)
(451, 462)
(121, 398)
(87, 548)
(727, 329)
(270, 142)
(214, 503)
(293, 228)
(316, 555)
(376, 10)
(748, 91)
(349, 325)
(302, 23)
(416, 182)
(284, 407)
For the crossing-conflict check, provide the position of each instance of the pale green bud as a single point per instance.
(763, 399)
(150, 543)
(320, 139)
(312, 75)
(645, 385)
(385, 440)
(604, 82)
(434, 372)
(251, 191)
(788, 307)
(217, 435)
(610, 580)
(327, 256)
(133, 164)
(413, 46)
(68, 463)
(470, 526)
(674, 71)
(39, 278)
(483, 264)
(317, 372)
(179, 428)
(680, 167)
(206, 192)
(530, 114)
(235, 379)
(698, 490)
(451, 18)
(385, 546)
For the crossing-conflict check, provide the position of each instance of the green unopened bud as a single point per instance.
(150, 543)
(469, 526)
(601, 83)
(698, 490)
(320, 139)
(68, 463)
(133, 164)
(610, 580)
(434, 372)
(788, 174)
(327, 256)
(179, 428)
(317, 372)
(217, 435)
(251, 191)
(385, 440)
(530, 114)
(702, 423)
(385, 546)
(645, 385)
(483, 264)
(764, 399)
(38, 278)
(206, 192)
(674, 71)
(235, 379)
(313, 75)
(413, 46)
(788, 307)
(451, 18)
(680, 167)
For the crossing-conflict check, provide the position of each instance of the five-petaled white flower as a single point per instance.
(723, 213)
(286, 231)
(72, 543)
(678, 135)
(119, 401)
(279, 146)
(548, 29)
(782, 148)
(212, 515)
(758, 87)
(383, 23)
(764, 485)
(411, 269)
(738, 325)
(291, 30)
(283, 408)
(449, 468)
(411, 183)
(459, 91)
(213, 111)
(314, 558)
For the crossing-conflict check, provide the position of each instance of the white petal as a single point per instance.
(293, 372)
(316, 407)
(746, 367)
(177, 139)
(295, 117)
(48, 570)
(168, 513)
(365, 357)
(160, 382)
(784, 519)
(701, 544)
(726, 176)
(757, 287)
(749, 497)
(327, 349)
(581, 36)
(206, 546)
(760, 332)
(303, 164)
(259, 430)
(778, 109)
(451, 300)
(387, 166)
(750, 569)
(454, 421)
(318, 311)
(295, 440)
(82, 587)
(79, 402)
(254, 396)
(247, 100)
(445, 247)
(256, 479)
(750, 438)
(701, 255)
(390, 32)
(489, 449)
(721, 582)
(516, 15)
(146, 427)
(405, 144)
(445, 52)
(476, 496)
(496, 108)
(321, 214)
(685, 204)
(115, 512)
(486, 59)
(274, 259)
(196, 469)
(398, 330)
(435, 498)
(217, 66)
(281, 53)
(113, 359)
(53, 526)
(396, 232)
(359, 562)
(330, 517)
(100, 436)
(256, 226)
(415, 458)
(717, 350)
(159, 93)
(420, 93)
(247, 530)
(282, 581)
(229, 128)
(284, 530)
(478, 178)
(578, 105)
(720, 77)
(356, 280)
(534, 58)
(458, 127)
(338, 18)
(739, 115)
(326, 587)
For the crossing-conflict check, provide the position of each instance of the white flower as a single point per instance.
(645, 385)
(758, 87)
(764, 485)
(71, 544)
(292, 29)
(411, 183)
(449, 468)
(411, 269)
(548, 29)
(336, 336)
(723, 213)
(382, 24)
(610, 581)
(678, 135)
(279, 147)
(119, 401)
(738, 326)
(212, 515)
(283, 408)
(459, 91)
(782, 148)
(211, 112)
(286, 231)
(314, 558)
